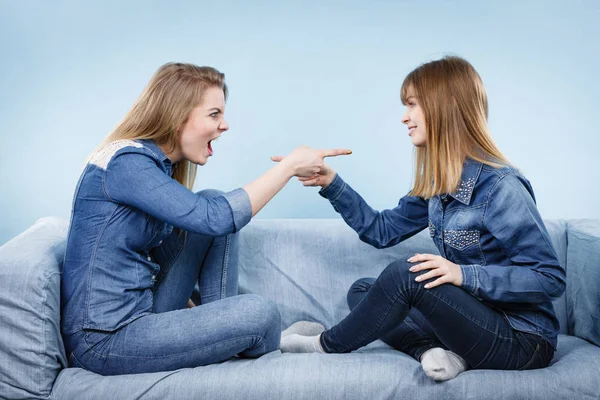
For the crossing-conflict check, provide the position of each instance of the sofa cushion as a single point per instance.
(30, 342)
(583, 279)
(373, 372)
(557, 229)
(307, 266)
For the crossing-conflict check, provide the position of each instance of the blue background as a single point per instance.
(324, 74)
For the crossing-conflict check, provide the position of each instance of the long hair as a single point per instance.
(454, 103)
(163, 108)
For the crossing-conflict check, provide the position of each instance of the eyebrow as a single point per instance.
(215, 108)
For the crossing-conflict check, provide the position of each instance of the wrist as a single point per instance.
(287, 169)
(458, 275)
(327, 179)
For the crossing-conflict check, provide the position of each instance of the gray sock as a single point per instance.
(441, 365)
(295, 343)
(304, 328)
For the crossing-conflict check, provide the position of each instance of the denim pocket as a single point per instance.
(460, 239)
(464, 246)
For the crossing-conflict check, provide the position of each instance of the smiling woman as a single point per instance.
(497, 272)
(140, 240)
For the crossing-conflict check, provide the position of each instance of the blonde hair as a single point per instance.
(163, 108)
(454, 103)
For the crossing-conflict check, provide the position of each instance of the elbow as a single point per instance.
(220, 218)
(373, 242)
(223, 231)
(554, 285)
(559, 286)
(222, 225)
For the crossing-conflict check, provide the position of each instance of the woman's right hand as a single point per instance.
(306, 162)
(302, 162)
(323, 178)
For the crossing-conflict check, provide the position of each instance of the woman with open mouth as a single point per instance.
(140, 240)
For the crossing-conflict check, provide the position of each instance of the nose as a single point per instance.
(224, 126)
(405, 117)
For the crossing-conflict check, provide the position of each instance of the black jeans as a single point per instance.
(412, 319)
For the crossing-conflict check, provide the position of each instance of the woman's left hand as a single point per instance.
(445, 271)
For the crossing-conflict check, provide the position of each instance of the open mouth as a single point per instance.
(210, 149)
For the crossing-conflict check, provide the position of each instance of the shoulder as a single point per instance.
(110, 151)
(503, 180)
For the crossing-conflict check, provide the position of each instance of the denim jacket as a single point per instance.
(125, 204)
(490, 227)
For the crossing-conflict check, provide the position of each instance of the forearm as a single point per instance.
(134, 179)
(264, 188)
(379, 229)
(514, 283)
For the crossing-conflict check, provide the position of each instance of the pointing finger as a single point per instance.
(335, 152)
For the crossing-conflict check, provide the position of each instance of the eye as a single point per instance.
(215, 114)
(411, 104)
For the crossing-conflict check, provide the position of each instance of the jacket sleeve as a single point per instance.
(135, 179)
(534, 274)
(379, 229)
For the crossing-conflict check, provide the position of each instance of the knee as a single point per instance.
(264, 321)
(210, 193)
(397, 272)
(262, 314)
(361, 285)
(358, 290)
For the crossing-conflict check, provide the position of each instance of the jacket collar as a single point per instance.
(154, 148)
(470, 174)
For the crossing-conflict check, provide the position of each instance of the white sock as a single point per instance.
(304, 328)
(295, 343)
(441, 365)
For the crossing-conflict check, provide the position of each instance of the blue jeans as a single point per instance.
(401, 312)
(222, 325)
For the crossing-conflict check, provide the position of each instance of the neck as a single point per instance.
(174, 156)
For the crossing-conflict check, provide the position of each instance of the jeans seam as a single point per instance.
(91, 349)
(378, 325)
(261, 340)
(465, 316)
(164, 270)
(532, 359)
(77, 363)
(225, 267)
(485, 358)
(413, 328)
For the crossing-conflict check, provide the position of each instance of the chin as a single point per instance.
(198, 159)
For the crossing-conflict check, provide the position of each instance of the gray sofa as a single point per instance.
(305, 267)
